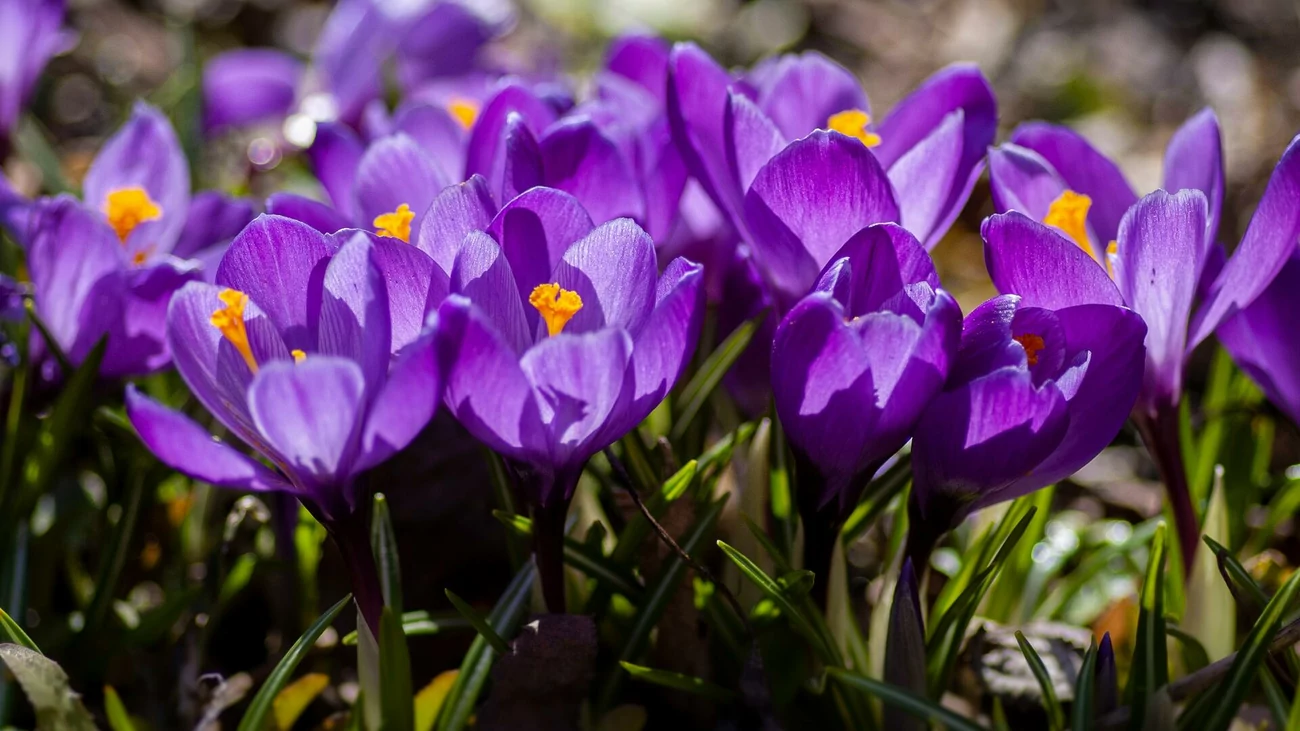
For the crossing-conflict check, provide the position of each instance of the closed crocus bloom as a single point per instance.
(1034, 393)
(30, 33)
(1263, 339)
(311, 354)
(551, 355)
(109, 264)
(854, 364)
(1050, 251)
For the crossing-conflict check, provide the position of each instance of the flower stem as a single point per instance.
(352, 537)
(548, 546)
(1160, 435)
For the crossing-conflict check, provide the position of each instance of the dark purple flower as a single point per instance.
(30, 33)
(311, 353)
(1262, 339)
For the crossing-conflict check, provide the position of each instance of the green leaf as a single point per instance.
(294, 699)
(1150, 669)
(397, 698)
(780, 492)
(384, 544)
(479, 624)
(922, 708)
(1085, 692)
(10, 631)
(237, 578)
(1194, 655)
(707, 378)
(420, 622)
(1211, 613)
(677, 681)
(826, 651)
(1229, 693)
(477, 664)
(118, 718)
(258, 716)
(1275, 697)
(879, 493)
(1055, 715)
(585, 557)
(505, 499)
(1244, 589)
(57, 706)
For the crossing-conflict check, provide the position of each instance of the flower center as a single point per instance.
(1069, 213)
(229, 319)
(557, 306)
(129, 207)
(298, 355)
(1032, 344)
(463, 111)
(395, 225)
(853, 122)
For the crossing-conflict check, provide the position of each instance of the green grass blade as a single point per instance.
(479, 624)
(585, 557)
(11, 632)
(922, 708)
(118, 718)
(1055, 715)
(397, 699)
(1248, 593)
(1274, 697)
(706, 379)
(258, 716)
(420, 622)
(677, 681)
(1194, 655)
(1085, 692)
(776, 593)
(384, 544)
(1150, 669)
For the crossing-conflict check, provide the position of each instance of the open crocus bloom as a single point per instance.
(931, 144)
(312, 355)
(1034, 393)
(30, 34)
(855, 363)
(108, 265)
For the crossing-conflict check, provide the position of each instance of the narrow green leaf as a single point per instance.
(1231, 691)
(1211, 609)
(1194, 655)
(922, 708)
(1150, 669)
(1275, 698)
(707, 378)
(479, 624)
(420, 622)
(1085, 692)
(383, 541)
(57, 705)
(505, 499)
(584, 557)
(1293, 719)
(10, 631)
(780, 492)
(718, 455)
(258, 715)
(774, 591)
(677, 681)
(113, 558)
(477, 664)
(237, 578)
(118, 718)
(879, 493)
(397, 698)
(51, 342)
(1244, 589)
(1055, 715)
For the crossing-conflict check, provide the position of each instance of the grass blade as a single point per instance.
(384, 544)
(396, 696)
(775, 592)
(1055, 716)
(586, 558)
(421, 622)
(118, 718)
(11, 632)
(706, 379)
(1085, 692)
(479, 624)
(1150, 669)
(677, 681)
(922, 708)
(258, 715)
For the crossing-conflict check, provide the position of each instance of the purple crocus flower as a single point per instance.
(30, 33)
(1034, 393)
(554, 350)
(854, 364)
(109, 265)
(1052, 175)
(311, 353)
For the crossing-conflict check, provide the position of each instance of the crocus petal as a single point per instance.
(415, 286)
(1021, 180)
(482, 273)
(309, 412)
(875, 265)
(405, 405)
(924, 177)
(1262, 339)
(485, 387)
(144, 153)
(280, 264)
(667, 341)
(350, 52)
(801, 92)
(663, 177)
(751, 139)
(213, 219)
(486, 147)
(444, 40)
(457, 210)
(434, 129)
(522, 166)
(395, 172)
(318, 215)
(613, 270)
(185, 446)
(579, 160)
(643, 59)
(249, 85)
(1084, 170)
(335, 155)
(1194, 161)
(697, 98)
(535, 230)
(1269, 241)
(354, 321)
(29, 36)
(1031, 259)
(809, 200)
(1156, 270)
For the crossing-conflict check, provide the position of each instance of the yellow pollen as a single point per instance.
(298, 355)
(230, 321)
(397, 224)
(463, 111)
(1069, 212)
(557, 306)
(853, 122)
(1032, 344)
(129, 207)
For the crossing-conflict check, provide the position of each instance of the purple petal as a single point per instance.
(925, 176)
(144, 153)
(697, 99)
(394, 172)
(579, 160)
(1031, 259)
(1262, 339)
(664, 178)
(433, 128)
(350, 51)
(667, 341)
(280, 264)
(458, 210)
(354, 322)
(486, 147)
(806, 203)
(309, 412)
(751, 139)
(443, 41)
(319, 216)
(1269, 241)
(29, 36)
(535, 230)
(335, 155)
(248, 85)
(405, 405)
(801, 92)
(643, 59)
(613, 269)
(187, 447)
(482, 273)
(213, 219)
(522, 166)
(1194, 161)
(1084, 170)
(415, 286)
(1021, 180)
(1156, 269)
(875, 265)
